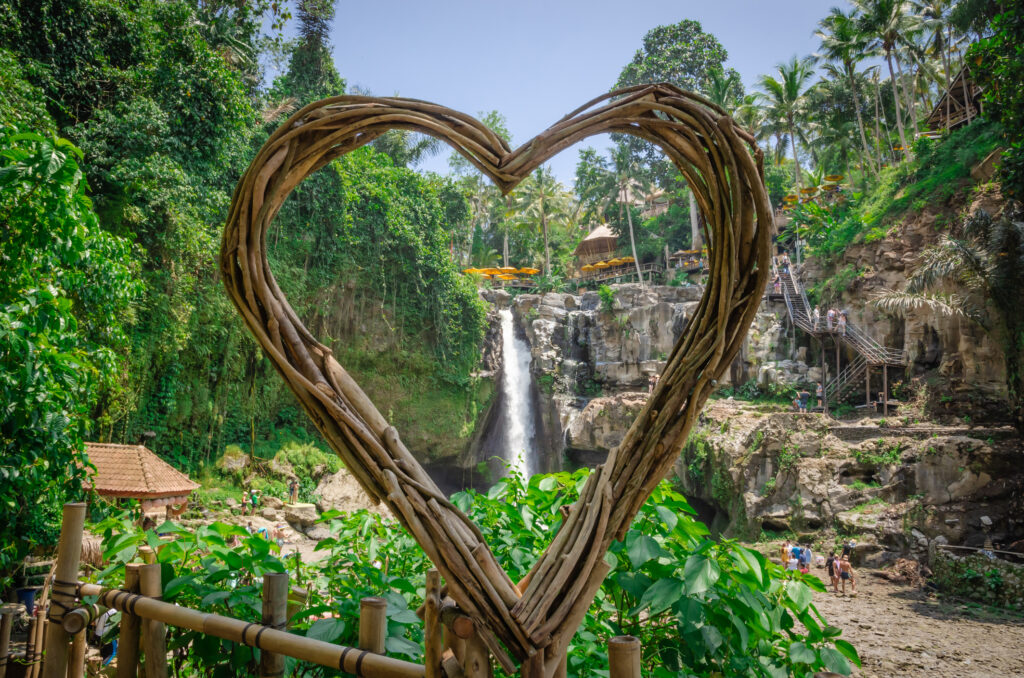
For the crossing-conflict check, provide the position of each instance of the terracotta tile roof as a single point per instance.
(134, 471)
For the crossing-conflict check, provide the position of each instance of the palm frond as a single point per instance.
(901, 303)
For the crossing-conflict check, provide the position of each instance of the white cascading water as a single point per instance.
(515, 384)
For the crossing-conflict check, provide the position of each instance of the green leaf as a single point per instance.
(662, 595)
(848, 651)
(327, 630)
(643, 549)
(799, 593)
(801, 654)
(700, 573)
(667, 516)
(834, 661)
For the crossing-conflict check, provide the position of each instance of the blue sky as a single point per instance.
(535, 61)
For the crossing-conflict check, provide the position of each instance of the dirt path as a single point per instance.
(900, 631)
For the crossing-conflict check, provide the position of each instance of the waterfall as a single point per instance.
(520, 428)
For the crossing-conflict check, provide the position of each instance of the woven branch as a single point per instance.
(725, 170)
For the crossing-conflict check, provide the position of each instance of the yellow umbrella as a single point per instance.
(602, 264)
(491, 271)
(834, 177)
(529, 271)
(507, 269)
(471, 270)
(587, 268)
(790, 198)
(628, 260)
(616, 262)
(506, 276)
(809, 190)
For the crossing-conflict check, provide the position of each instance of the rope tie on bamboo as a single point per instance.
(359, 660)
(64, 607)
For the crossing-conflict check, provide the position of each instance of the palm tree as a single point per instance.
(886, 26)
(627, 179)
(785, 98)
(843, 44)
(724, 88)
(987, 263)
(541, 199)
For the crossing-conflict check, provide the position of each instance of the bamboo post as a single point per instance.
(69, 551)
(30, 645)
(36, 668)
(147, 554)
(297, 597)
(373, 624)
(624, 657)
(128, 641)
(476, 662)
(432, 625)
(155, 634)
(867, 386)
(275, 615)
(6, 615)
(76, 663)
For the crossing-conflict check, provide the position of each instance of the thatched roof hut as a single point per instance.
(133, 471)
(599, 244)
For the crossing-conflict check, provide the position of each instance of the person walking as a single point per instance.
(830, 318)
(846, 575)
(293, 491)
(819, 393)
(832, 570)
(816, 317)
(842, 323)
(777, 283)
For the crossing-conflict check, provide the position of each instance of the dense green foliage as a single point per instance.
(735, 612)
(939, 172)
(999, 65)
(64, 295)
(164, 100)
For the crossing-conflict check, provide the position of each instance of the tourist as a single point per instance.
(806, 557)
(846, 574)
(819, 393)
(804, 397)
(816, 317)
(652, 381)
(785, 263)
(254, 499)
(293, 491)
(832, 569)
(249, 528)
(848, 548)
(830, 318)
(785, 552)
(842, 323)
(793, 563)
(108, 650)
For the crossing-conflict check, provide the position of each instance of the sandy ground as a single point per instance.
(901, 631)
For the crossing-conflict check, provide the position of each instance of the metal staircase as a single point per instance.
(869, 352)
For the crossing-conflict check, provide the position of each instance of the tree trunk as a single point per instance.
(632, 244)
(796, 160)
(696, 237)
(896, 101)
(547, 250)
(860, 123)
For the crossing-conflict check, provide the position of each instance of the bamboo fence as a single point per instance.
(724, 168)
(453, 647)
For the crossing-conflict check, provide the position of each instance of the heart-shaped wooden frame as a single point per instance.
(724, 168)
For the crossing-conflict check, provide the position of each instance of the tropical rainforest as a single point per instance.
(124, 127)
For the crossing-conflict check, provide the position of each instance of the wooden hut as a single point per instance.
(135, 472)
(599, 245)
(960, 104)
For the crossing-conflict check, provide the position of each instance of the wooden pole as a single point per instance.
(131, 627)
(275, 616)
(624, 657)
(432, 625)
(477, 662)
(6, 616)
(155, 632)
(297, 597)
(39, 643)
(824, 377)
(867, 385)
(373, 624)
(256, 635)
(69, 551)
(885, 390)
(30, 644)
(76, 663)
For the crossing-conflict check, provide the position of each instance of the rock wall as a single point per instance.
(952, 356)
(895, 491)
(993, 582)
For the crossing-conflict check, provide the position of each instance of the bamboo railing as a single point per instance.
(454, 648)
